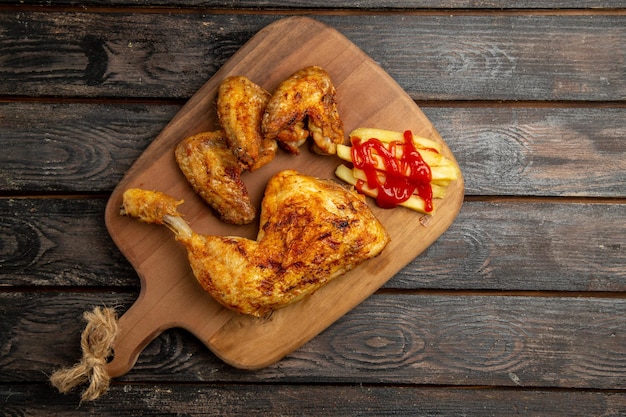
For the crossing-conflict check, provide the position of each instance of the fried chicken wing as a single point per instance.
(240, 108)
(311, 232)
(307, 94)
(215, 174)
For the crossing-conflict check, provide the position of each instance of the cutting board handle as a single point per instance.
(165, 302)
(137, 328)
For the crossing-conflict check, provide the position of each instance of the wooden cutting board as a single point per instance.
(171, 297)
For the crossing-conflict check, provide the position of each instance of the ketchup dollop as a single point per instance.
(402, 177)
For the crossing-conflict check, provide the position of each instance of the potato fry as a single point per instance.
(442, 170)
(438, 190)
(391, 136)
(444, 173)
(344, 152)
(413, 203)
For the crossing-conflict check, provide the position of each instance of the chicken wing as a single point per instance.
(311, 231)
(240, 108)
(307, 94)
(215, 174)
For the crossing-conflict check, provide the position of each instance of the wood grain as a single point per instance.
(526, 246)
(445, 340)
(449, 57)
(63, 242)
(490, 320)
(343, 5)
(59, 242)
(538, 151)
(502, 150)
(79, 148)
(296, 400)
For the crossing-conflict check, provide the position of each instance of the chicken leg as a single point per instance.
(311, 231)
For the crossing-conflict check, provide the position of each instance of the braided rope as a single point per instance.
(96, 344)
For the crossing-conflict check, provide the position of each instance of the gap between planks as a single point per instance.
(467, 198)
(322, 11)
(209, 384)
(381, 291)
(544, 200)
(421, 103)
(504, 293)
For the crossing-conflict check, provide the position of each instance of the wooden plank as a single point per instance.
(537, 151)
(517, 151)
(512, 341)
(491, 246)
(203, 399)
(449, 57)
(59, 242)
(533, 247)
(74, 148)
(366, 5)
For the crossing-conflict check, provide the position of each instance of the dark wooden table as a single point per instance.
(518, 309)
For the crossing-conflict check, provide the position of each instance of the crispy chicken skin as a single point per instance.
(307, 94)
(215, 174)
(311, 231)
(240, 108)
(149, 206)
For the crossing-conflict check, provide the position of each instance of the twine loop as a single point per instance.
(96, 343)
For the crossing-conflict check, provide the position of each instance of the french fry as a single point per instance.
(441, 183)
(442, 170)
(438, 190)
(344, 152)
(444, 173)
(432, 158)
(391, 136)
(413, 203)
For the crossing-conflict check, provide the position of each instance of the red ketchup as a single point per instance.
(402, 178)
